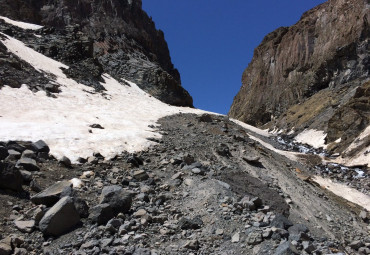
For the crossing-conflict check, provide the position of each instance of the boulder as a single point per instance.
(61, 218)
(195, 223)
(10, 177)
(40, 146)
(65, 161)
(50, 195)
(3, 153)
(140, 175)
(13, 155)
(101, 213)
(27, 164)
(119, 199)
(298, 232)
(29, 154)
(280, 221)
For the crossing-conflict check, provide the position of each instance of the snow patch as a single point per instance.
(363, 156)
(125, 112)
(312, 137)
(251, 128)
(21, 24)
(344, 191)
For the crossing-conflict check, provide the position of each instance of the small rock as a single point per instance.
(5, 249)
(27, 164)
(308, 247)
(186, 223)
(13, 155)
(40, 146)
(119, 199)
(192, 245)
(26, 175)
(356, 245)
(219, 232)
(25, 226)
(280, 221)
(140, 175)
(29, 154)
(65, 162)
(235, 238)
(254, 238)
(205, 118)
(363, 215)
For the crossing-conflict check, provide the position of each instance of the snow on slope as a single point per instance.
(63, 122)
(20, 24)
(315, 138)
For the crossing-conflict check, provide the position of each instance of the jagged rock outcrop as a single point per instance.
(302, 76)
(96, 36)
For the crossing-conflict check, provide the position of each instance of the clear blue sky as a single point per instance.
(212, 42)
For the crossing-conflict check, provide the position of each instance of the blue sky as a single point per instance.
(212, 42)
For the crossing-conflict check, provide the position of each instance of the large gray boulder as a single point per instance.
(60, 219)
(10, 177)
(50, 195)
(119, 199)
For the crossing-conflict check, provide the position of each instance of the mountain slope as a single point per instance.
(115, 37)
(307, 76)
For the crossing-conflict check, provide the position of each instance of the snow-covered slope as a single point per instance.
(124, 110)
(20, 24)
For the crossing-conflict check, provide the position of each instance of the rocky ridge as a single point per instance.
(95, 37)
(312, 75)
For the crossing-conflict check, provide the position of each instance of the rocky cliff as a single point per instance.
(307, 75)
(98, 36)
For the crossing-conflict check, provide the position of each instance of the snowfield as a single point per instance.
(125, 112)
(20, 24)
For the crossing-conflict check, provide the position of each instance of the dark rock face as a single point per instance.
(96, 36)
(300, 74)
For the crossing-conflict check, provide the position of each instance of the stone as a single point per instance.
(50, 195)
(140, 175)
(298, 232)
(206, 118)
(13, 155)
(81, 207)
(26, 175)
(140, 213)
(27, 164)
(29, 154)
(252, 159)
(101, 213)
(5, 249)
(235, 238)
(192, 245)
(119, 199)
(285, 249)
(363, 215)
(308, 247)
(61, 218)
(356, 244)
(25, 226)
(195, 223)
(10, 177)
(65, 161)
(254, 238)
(219, 231)
(280, 221)
(40, 146)
(20, 251)
(3, 153)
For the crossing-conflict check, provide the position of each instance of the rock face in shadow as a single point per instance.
(96, 36)
(299, 75)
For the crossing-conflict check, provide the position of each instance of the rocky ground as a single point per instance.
(205, 188)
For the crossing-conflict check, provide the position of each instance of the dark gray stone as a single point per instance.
(40, 146)
(119, 199)
(195, 223)
(10, 177)
(65, 161)
(101, 213)
(50, 195)
(3, 153)
(60, 219)
(13, 155)
(280, 221)
(27, 164)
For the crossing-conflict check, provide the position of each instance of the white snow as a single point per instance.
(21, 24)
(63, 122)
(315, 138)
(344, 191)
(251, 128)
(363, 156)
